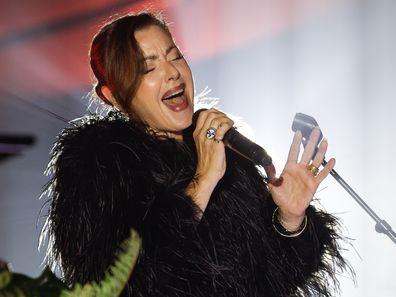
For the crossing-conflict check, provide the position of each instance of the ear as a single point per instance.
(109, 96)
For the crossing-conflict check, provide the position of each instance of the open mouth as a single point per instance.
(175, 99)
(174, 95)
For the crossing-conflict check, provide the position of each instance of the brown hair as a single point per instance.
(116, 59)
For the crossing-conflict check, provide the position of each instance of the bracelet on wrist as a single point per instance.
(282, 230)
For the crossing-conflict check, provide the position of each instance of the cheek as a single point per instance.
(149, 87)
(145, 104)
(185, 68)
(187, 76)
(146, 94)
(153, 84)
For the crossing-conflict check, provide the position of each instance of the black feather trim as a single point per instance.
(109, 175)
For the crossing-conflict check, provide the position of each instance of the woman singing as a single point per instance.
(211, 224)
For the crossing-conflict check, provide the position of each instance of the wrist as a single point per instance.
(288, 228)
(290, 221)
(200, 190)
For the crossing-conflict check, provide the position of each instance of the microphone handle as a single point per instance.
(245, 147)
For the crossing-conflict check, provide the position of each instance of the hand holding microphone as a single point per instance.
(243, 146)
(209, 127)
(292, 191)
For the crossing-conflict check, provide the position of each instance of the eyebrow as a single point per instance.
(154, 57)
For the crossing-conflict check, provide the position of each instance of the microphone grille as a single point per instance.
(305, 124)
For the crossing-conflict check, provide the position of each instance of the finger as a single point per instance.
(319, 156)
(223, 124)
(326, 170)
(202, 122)
(310, 147)
(295, 147)
(211, 114)
(216, 119)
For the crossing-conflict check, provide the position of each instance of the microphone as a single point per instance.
(248, 149)
(242, 145)
(305, 124)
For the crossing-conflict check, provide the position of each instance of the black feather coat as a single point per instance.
(109, 175)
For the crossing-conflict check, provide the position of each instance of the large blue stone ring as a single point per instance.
(210, 133)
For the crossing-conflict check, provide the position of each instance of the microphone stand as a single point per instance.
(381, 226)
(305, 124)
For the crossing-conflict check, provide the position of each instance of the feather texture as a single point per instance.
(110, 175)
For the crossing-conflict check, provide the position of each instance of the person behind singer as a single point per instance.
(211, 224)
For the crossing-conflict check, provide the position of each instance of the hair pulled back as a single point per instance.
(116, 59)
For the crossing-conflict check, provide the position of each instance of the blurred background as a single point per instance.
(265, 59)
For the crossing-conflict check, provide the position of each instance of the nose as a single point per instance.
(171, 71)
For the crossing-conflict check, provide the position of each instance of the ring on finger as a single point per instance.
(313, 169)
(217, 140)
(211, 133)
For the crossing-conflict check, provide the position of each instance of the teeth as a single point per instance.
(175, 94)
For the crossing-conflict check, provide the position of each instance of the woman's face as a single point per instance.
(164, 98)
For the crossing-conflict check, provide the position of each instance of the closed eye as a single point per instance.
(148, 70)
(178, 57)
(173, 53)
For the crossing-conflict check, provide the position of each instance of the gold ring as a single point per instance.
(313, 169)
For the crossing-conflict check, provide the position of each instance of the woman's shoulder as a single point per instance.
(101, 128)
(94, 139)
(93, 132)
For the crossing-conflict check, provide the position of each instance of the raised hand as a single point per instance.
(301, 179)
